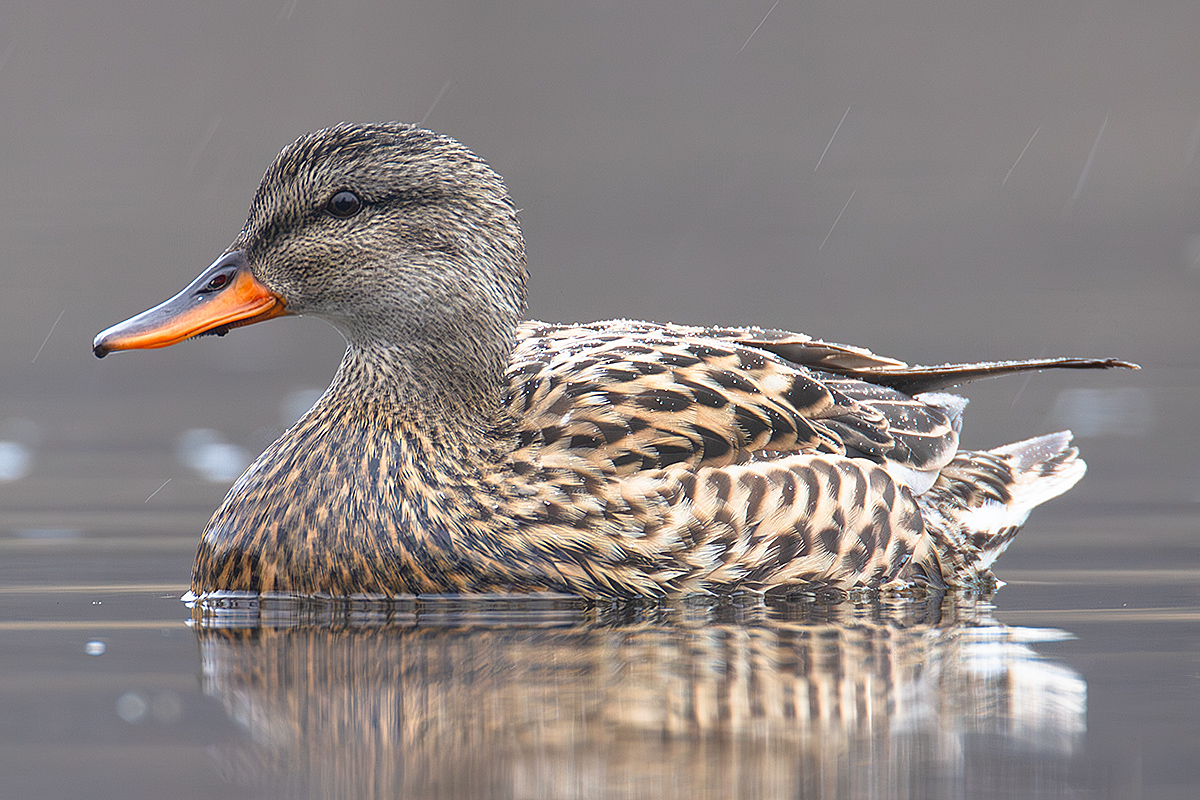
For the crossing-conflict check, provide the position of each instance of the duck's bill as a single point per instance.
(224, 296)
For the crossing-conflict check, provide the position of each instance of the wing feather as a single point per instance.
(631, 396)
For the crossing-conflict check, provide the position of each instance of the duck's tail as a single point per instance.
(981, 499)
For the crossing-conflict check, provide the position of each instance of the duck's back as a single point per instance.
(724, 457)
(639, 460)
(634, 396)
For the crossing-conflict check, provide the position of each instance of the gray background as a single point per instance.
(664, 157)
(1023, 180)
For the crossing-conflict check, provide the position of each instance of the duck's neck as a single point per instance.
(379, 488)
(419, 389)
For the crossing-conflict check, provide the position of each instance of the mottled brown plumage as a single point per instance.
(461, 450)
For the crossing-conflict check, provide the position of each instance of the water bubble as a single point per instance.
(19, 438)
(131, 707)
(15, 460)
(205, 451)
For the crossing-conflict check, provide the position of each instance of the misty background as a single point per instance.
(937, 181)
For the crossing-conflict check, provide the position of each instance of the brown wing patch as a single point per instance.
(920, 436)
(700, 402)
(631, 396)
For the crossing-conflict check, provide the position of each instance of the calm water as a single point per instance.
(935, 180)
(1078, 680)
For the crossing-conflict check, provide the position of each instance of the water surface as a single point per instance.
(1072, 681)
(935, 180)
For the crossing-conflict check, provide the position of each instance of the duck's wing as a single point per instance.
(858, 362)
(629, 396)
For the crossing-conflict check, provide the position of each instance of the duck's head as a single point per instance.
(401, 238)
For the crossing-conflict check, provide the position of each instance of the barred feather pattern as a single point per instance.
(629, 459)
(982, 498)
(459, 449)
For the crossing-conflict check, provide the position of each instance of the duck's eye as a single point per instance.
(343, 204)
(219, 281)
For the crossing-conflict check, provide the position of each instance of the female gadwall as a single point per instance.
(460, 449)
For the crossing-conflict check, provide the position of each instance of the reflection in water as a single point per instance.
(543, 699)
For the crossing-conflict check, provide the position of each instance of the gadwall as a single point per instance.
(461, 450)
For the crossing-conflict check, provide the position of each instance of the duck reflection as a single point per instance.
(546, 698)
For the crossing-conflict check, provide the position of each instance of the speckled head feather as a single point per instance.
(461, 450)
(432, 265)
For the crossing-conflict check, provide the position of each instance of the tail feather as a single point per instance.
(981, 499)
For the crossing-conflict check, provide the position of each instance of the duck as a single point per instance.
(461, 449)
